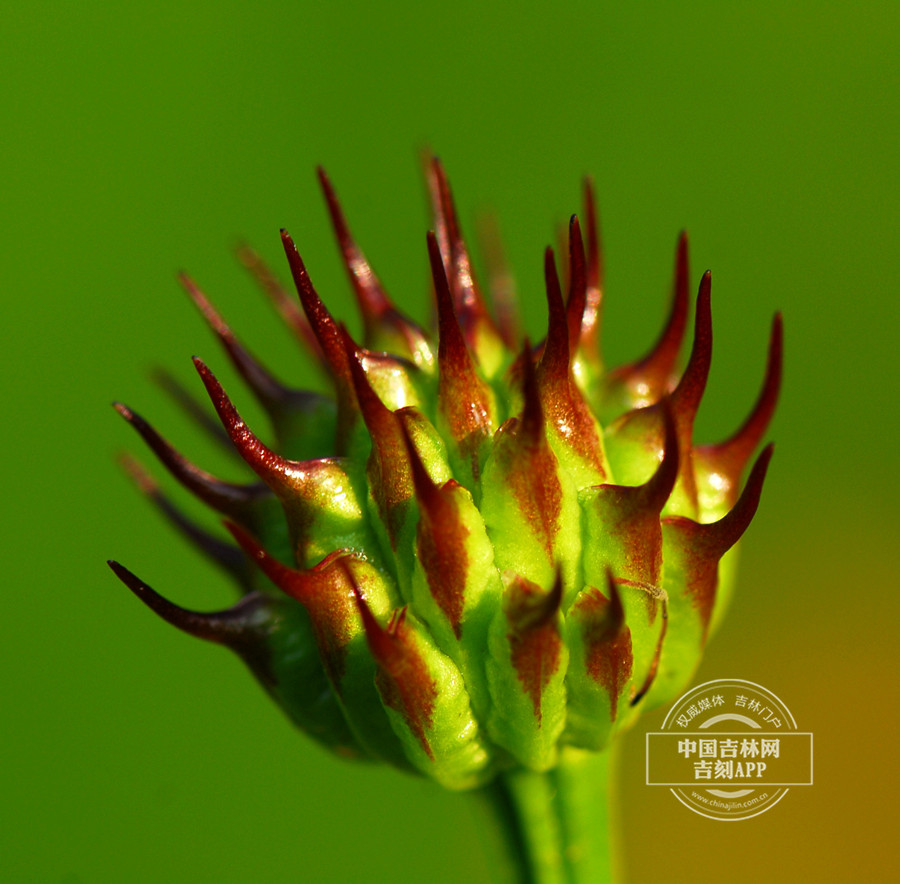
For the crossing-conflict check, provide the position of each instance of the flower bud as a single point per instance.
(477, 551)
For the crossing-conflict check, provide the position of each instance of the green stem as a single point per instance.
(557, 824)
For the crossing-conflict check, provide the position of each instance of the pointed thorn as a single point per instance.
(390, 484)
(552, 601)
(687, 395)
(534, 638)
(232, 627)
(532, 419)
(451, 344)
(271, 393)
(436, 507)
(377, 416)
(554, 364)
(403, 678)
(380, 641)
(273, 469)
(321, 321)
(463, 396)
(660, 485)
(732, 454)
(609, 660)
(656, 367)
(535, 610)
(728, 530)
(472, 313)
(286, 305)
(226, 497)
(286, 579)
(223, 554)
(373, 302)
(444, 208)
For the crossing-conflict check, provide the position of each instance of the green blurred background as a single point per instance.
(140, 141)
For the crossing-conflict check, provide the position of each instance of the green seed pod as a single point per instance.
(479, 553)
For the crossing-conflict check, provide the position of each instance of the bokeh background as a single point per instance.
(138, 140)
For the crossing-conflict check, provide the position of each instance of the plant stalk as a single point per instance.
(556, 825)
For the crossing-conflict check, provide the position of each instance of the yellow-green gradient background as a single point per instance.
(141, 139)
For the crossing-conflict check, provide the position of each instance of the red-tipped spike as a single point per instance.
(635, 543)
(232, 627)
(379, 639)
(273, 469)
(440, 541)
(687, 395)
(452, 344)
(534, 638)
(467, 299)
(273, 395)
(328, 336)
(427, 492)
(609, 660)
(379, 313)
(577, 298)
(730, 457)
(226, 556)
(707, 543)
(324, 590)
(531, 423)
(562, 401)
(652, 373)
(554, 365)
(241, 628)
(655, 492)
(463, 396)
(289, 581)
(685, 398)
(590, 322)
(728, 530)
(373, 301)
(528, 465)
(286, 305)
(389, 472)
(226, 497)
(403, 679)
(378, 417)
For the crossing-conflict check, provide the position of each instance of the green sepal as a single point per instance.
(325, 510)
(427, 704)
(355, 688)
(601, 665)
(526, 668)
(690, 604)
(455, 584)
(397, 382)
(530, 508)
(299, 684)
